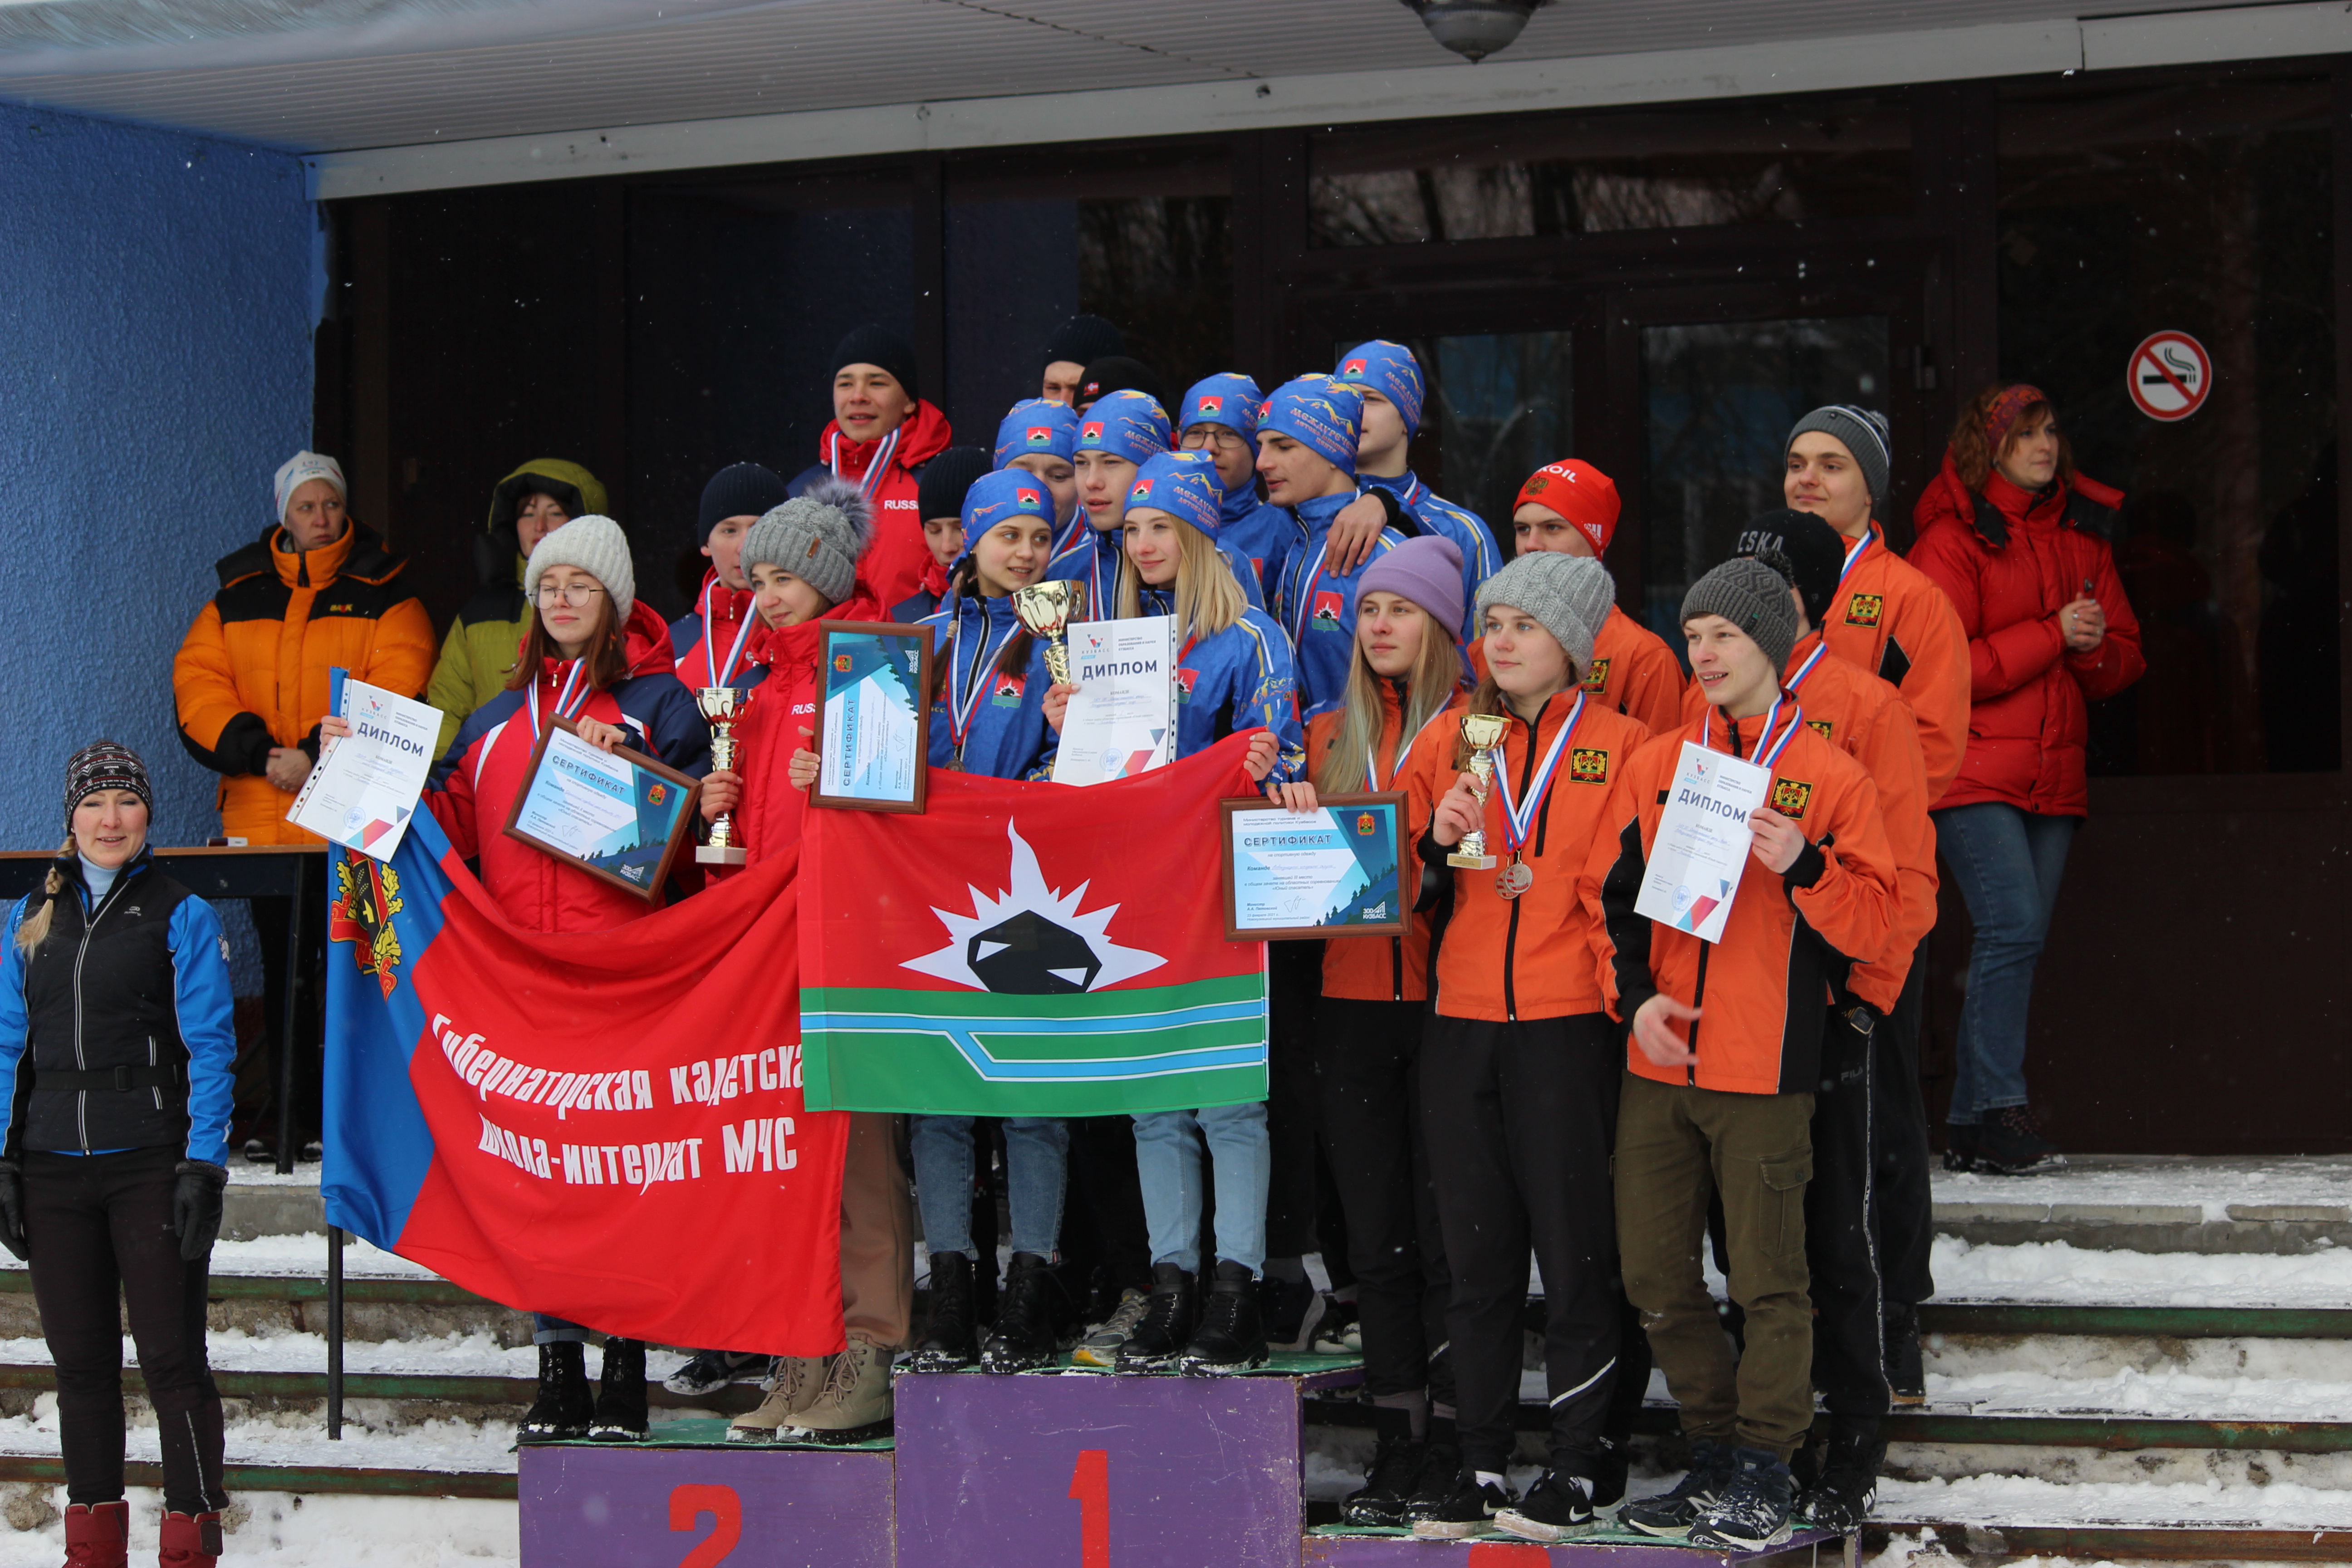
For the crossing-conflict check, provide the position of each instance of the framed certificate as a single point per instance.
(618, 815)
(875, 733)
(1331, 874)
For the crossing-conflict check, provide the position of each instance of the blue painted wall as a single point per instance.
(156, 303)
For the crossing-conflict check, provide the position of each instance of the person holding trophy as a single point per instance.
(599, 656)
(1233, 674)
(1520, 1069)
(987, 717)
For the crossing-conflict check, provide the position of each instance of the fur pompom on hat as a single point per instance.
(817, 536)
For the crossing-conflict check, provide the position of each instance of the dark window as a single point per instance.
(2201, 208)
(1695, 166)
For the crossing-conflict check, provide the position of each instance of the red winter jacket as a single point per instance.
(781, 671)
(2010, 560)
(476, 783)
(894, 563)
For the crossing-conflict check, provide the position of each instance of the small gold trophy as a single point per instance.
(722, 707)
(1481, 733)
(1047, 609)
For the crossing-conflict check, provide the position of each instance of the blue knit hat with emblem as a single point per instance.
(1319, 414)
(1184, 485)
(1007, 492)
(1229, 399)
(1390, 369)
(1129, 425)
(1036, 425)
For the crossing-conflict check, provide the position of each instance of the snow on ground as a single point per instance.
(2059, 1272)
(2163, 1393)
(299, 1438)
(2024, 1501)
(447, 1355)
(2212, 1185)
(298, 1254)
(273, 1530)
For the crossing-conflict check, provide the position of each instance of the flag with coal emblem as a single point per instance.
(1025, 949)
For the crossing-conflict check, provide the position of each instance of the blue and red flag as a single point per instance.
(606, 1126)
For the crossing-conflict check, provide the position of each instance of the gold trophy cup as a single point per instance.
(1481, 733)
(722, 708)
(1047, 609)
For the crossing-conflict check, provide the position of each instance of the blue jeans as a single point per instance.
(547, 1330)
(1036, 1158)
(2008, 864)
(1168, 1164)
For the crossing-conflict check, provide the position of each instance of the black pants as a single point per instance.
(1294, 972)
(1520, 1120)
(1103, 1228)
(1367, 1070)
(1904, 1216)
(97, 1223)
(1841, 1240)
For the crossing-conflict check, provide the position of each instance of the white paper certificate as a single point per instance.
(1703, 843)
(366, 785)
(584, 800)
(1121, 719)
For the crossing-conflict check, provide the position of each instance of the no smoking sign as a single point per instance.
(2170, 376)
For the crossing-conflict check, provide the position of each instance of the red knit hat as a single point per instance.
(1577, 492)
(2002, 416)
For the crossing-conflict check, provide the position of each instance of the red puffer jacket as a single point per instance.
(895, 563)
(2010, 560)
(474, 786)
(780, 671)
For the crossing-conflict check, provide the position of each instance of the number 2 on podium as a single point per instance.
(688, 1504)
(1090, 1486)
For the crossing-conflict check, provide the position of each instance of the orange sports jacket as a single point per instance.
(1867, 719)
(1764, 990)
(1633, 672)
(252, 672)
(1890, 619)
(1365, 968)
(1505, 960)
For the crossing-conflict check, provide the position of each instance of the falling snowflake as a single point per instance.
(1032, 940)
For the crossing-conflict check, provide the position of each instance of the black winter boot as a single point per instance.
(947, 1341)
(1840, 1499)
(621, 1395)
(565, 1404)
(1166, 1327)
(1230, 1338)
(1030, 1318)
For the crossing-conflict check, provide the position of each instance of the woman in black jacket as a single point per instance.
(116, 1048)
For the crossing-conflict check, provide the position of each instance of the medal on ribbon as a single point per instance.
(1518, 819)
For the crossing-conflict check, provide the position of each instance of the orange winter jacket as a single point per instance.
(1505, 960)
(252, 672)
(1633, 672)
(1391, 968)
(1890, 619)
(1867, 719)
(1764, 990)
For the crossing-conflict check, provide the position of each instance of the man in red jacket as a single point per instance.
(2007, 532)
(882, 434)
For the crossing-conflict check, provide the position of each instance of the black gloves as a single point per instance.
(12, 1209)
(196, 1207)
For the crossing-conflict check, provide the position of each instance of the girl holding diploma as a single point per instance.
(1403, 709)
(1232, 673)
(596, 655)
(990, 681)
(1521, 1066)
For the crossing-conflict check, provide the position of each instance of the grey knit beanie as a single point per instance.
(1863, 432)
(817, 537)
(597, 546)
(1751, 596)
(1570, 595)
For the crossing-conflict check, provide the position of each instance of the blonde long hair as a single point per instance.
(1208, 597)
(35, 930)
(1432, 683)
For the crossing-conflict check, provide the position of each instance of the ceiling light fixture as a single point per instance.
(1474, 29)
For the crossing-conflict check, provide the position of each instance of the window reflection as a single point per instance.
(2205, 209)
(1751, 163)
(1162, 268)
(1503, 406)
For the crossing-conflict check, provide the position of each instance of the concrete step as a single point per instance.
(2157, 1203)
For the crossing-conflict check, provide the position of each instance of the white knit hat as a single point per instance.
(598, 547)
(304, 467)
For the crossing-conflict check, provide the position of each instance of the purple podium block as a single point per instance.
(1088, 1470)
(622, 1506)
